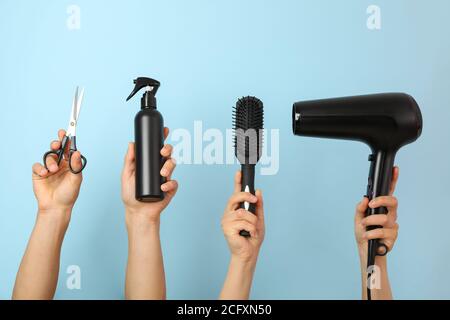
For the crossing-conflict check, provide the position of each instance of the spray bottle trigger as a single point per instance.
(143, 82)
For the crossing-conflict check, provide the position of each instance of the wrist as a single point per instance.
(141, 219)
(239, 278)
(244, 267)
(362, 252)
(60, 216)
(244, 260)
(53, 221)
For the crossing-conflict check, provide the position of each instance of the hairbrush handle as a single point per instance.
(247, 185)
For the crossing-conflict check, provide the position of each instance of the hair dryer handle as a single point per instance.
(379, 183)
(247, 185)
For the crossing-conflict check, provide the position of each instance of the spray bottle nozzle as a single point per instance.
(151, 87)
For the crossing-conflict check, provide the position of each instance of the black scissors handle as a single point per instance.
(83, 162)
(60, 154)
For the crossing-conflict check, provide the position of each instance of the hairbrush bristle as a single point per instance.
(248, 123)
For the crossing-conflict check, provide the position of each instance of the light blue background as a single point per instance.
(207, 54)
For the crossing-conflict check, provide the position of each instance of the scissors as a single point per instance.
(70, 136)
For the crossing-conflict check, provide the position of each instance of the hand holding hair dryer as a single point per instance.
(149, 139)
(385, 122)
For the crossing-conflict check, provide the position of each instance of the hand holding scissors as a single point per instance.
(70, 137)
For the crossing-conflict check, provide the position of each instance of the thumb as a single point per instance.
(395, 174)
(129, 165)
(237, 181)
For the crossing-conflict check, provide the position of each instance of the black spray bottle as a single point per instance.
(149, 139)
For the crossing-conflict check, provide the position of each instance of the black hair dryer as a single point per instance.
(385, 122)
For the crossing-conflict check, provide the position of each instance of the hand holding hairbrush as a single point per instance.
(248, 121)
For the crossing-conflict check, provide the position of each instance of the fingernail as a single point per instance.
(372, 203)
(163, 172)
(42, 172)
(254, 198)
(164, 187)
(53, 167)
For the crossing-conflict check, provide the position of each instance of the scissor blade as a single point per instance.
(75, 105)
(79, 101)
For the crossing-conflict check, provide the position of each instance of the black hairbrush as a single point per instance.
(248, 118)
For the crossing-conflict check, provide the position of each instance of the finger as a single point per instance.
(259, 205)
(173, 189)
(39, 170)
(239, 197)
(51, 163)
(169, 177)
(242, 214)
(389, 202)
(130, 152)
(61, 134)
(237, 181)
(378, 220)
(166, 150)
(129, 165)
(381, 233)
(395, 174)
(169, 186)
(168, 168)
(388, 243)
(55, 145)
(237, 226)
(361, 208)
(166, 133)
(75, 161)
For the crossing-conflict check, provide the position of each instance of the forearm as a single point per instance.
(38, 272)
(239, 279)
(145, 277)
(384, 291)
